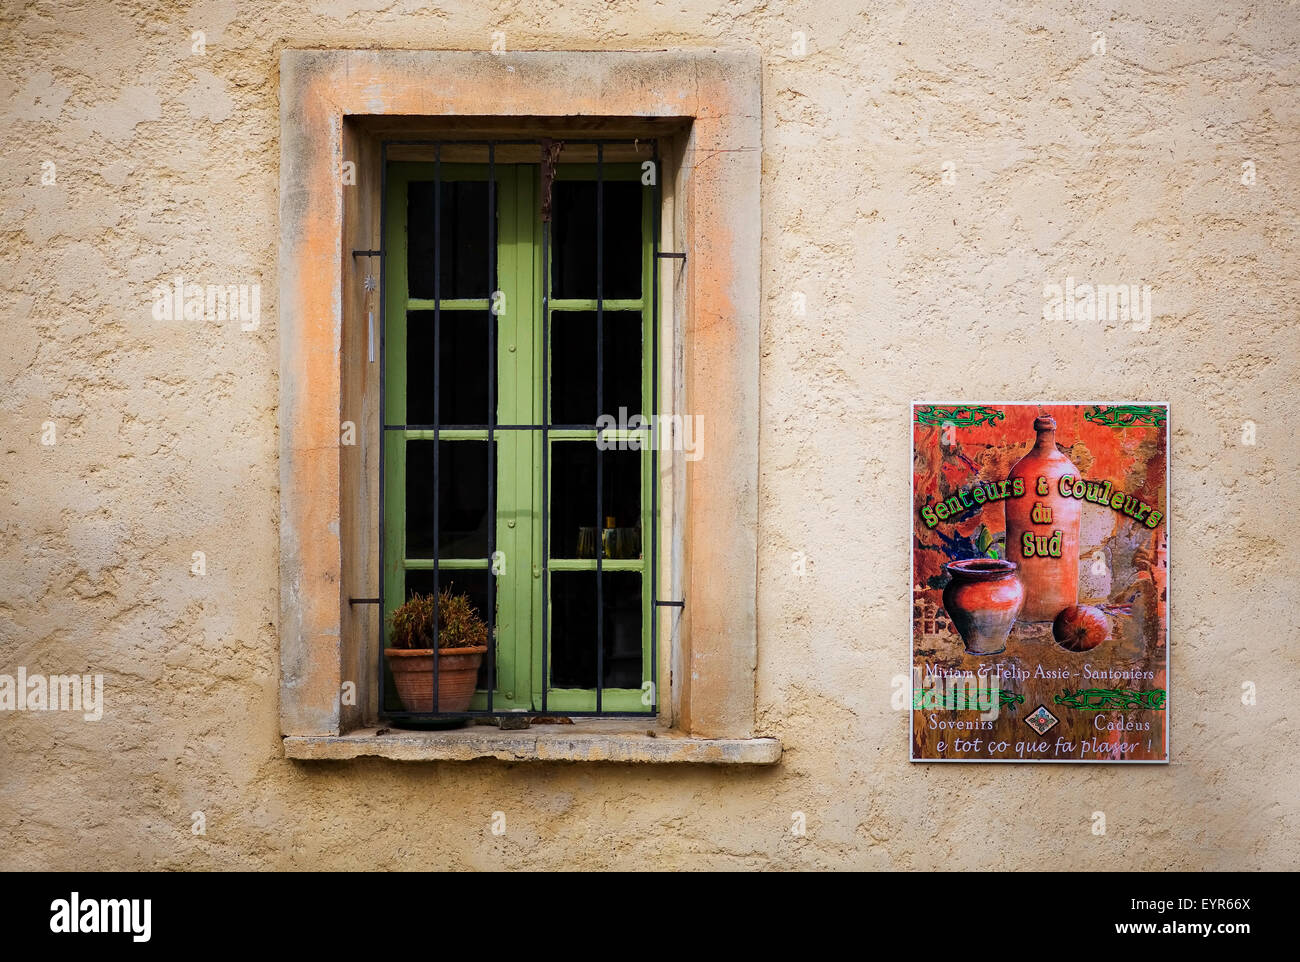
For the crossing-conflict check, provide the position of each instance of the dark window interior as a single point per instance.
(463, 363)
(573, 260)
(463, 510)
(573, 500)
(573, 365)
(464, 228)
(573, 629)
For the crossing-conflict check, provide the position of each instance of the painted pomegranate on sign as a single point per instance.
(1081, 628)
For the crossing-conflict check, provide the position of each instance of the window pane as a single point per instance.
(464, 247)
(573, 365)
(462, 490)
(574, 258)
(471, 583)
(463, 381)
(573, 629)
(575, 530)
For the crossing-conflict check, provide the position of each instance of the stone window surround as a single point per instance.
(336, 105)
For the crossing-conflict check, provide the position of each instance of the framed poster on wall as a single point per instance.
(1040, 570)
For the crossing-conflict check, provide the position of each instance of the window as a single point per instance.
(518, 327)
(338, 109)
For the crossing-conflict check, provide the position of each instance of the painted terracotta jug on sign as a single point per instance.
(1043, 528)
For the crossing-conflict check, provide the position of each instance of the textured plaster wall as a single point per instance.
(1122, 167)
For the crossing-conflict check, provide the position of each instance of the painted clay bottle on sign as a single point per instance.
(1043, 528)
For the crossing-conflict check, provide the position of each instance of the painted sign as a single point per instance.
(1040, 567)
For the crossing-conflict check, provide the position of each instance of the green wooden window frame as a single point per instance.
(521, 396)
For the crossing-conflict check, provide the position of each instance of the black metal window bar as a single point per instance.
(547, 159)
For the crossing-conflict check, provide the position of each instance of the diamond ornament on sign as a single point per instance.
(1040, 720)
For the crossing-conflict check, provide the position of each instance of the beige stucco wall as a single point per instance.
(1122, 167)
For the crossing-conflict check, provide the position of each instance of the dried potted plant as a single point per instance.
(462, 642)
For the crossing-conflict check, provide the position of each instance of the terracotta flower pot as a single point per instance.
(412, 670)
(1049, 559)
(983, 599)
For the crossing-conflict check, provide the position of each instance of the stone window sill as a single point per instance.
(603, 740)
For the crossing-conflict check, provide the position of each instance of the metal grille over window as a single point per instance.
(519, 382)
